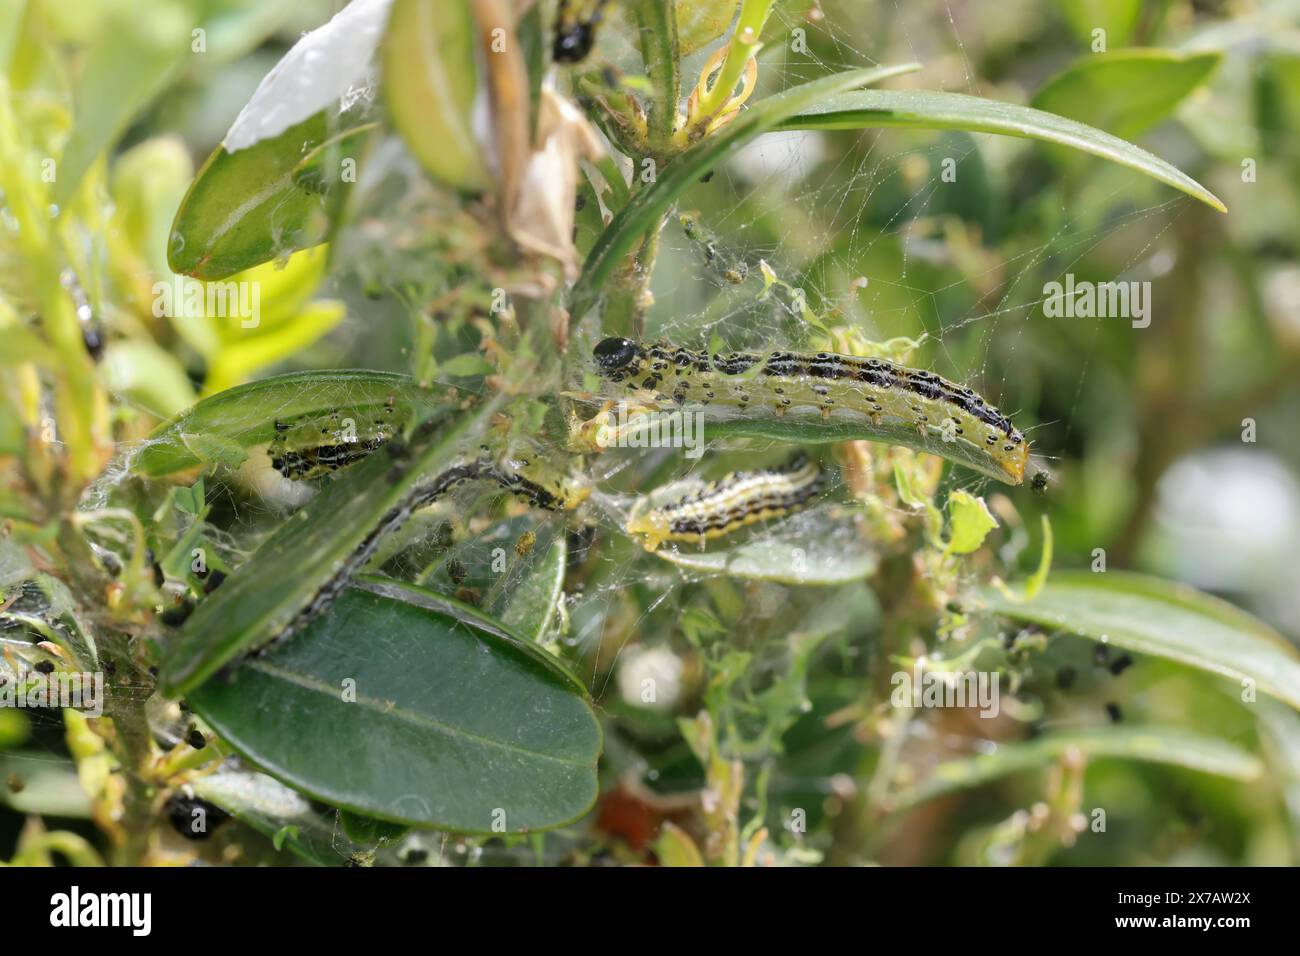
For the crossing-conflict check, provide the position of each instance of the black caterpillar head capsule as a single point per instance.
(614, 355)
(575, 33)
(573, 43)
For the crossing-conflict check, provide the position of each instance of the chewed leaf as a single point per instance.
(323, 168)
(391, 707)
(816, 547)
(1162, 619)
(969, 522)
(527, 596)
(221, 427)
(1171, 746)
(924, 109)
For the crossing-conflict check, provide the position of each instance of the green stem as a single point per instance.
(624, 312)
(72, 847)
(132, 745)
(658, 23)
(744, 45)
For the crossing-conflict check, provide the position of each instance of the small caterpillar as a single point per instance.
(903, 405)
(533, 480)
(313, 447)
(695, 510)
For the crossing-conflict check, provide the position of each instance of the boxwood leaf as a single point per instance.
(812, 429)
(398, 704)
(254, 205)
(1163, 619)
(926, 109)
(521, 589)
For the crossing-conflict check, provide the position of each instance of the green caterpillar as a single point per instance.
(891, 402)
(696, 510)
(533, 479)
(313, 447)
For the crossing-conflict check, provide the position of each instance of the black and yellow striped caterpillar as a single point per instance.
(893, 403)
(312, 447)
(532, 479)
(697, 510)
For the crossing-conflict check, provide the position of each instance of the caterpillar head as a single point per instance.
(1015, 461)
(616, 358)
(650, 525)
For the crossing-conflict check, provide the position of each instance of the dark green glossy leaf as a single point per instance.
(456, 722)
(1162, 619)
